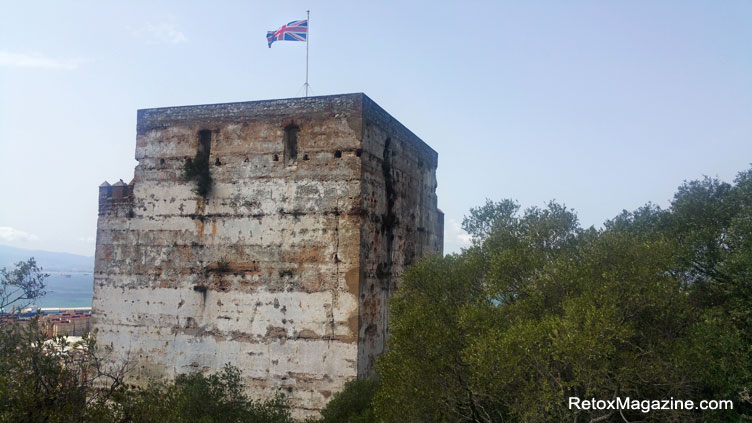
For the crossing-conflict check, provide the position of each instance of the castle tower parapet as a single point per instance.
(116, 199)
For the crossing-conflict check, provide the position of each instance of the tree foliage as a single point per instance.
(21, 285)
(195, 398)
(354, 404)
(52, 380)
(656, 305)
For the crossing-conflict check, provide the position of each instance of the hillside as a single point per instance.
(48, 260)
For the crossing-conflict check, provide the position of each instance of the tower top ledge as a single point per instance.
(356, 106)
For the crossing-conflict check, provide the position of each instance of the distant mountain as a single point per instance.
(48, 260)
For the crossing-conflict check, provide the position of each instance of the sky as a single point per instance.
(599, 105)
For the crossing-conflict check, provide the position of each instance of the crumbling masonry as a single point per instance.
(283, 265)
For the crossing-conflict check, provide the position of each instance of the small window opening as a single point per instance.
(217, 162)
(358, 152)
(338, 153)
(161, 162)
(305, 156)
(291, 144)
(276, 158)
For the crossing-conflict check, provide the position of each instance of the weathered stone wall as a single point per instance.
(284, 269)
(402, 221)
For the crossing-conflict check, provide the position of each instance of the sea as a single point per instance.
(71, 278)
(64, 290)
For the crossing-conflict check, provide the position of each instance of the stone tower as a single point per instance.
(285, 265)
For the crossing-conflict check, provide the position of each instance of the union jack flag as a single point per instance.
(294, 31)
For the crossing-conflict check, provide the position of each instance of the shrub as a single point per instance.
(219, 398)
(353, 404)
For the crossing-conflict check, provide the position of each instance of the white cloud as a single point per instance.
(9, 234)
(36, 60)
(166, 32)
(87, 240)
(454, 237)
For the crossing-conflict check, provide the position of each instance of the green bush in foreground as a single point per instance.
(352, 404)
(196, 398)
(52, 380)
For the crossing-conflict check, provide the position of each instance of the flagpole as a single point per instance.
(308, 34)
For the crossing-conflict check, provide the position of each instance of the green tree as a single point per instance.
(21, 285)
(656, 305)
